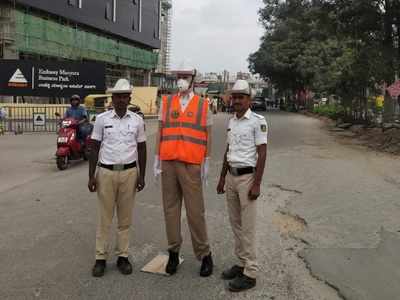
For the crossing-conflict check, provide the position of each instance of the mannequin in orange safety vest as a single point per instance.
(182, 159)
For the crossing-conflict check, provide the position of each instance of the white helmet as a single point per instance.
(241, 87)
(122, 86)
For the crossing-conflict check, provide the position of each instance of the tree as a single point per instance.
(338, 46)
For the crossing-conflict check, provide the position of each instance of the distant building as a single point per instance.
(243, 76)
(219, 82)
(162, 76)
(211, 77)
(164, 58)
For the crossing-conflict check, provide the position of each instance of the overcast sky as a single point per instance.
(213, 35)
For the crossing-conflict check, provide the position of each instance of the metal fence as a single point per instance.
(28, 118)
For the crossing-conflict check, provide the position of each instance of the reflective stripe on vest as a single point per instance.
(186, 125)
(183, 138)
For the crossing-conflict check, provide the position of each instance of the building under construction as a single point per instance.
(123, 34)
(163, 77)
(166, 26)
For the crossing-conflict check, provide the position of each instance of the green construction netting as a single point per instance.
(45, 37)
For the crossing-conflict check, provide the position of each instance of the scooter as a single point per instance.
(68, 146)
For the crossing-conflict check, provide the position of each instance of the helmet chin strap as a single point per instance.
(193, 78)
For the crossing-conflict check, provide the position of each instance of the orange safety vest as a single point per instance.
(184, 134)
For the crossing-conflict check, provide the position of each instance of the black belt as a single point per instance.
(118, 167)
(241, 171)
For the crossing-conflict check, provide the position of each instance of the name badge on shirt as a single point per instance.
(108, 126)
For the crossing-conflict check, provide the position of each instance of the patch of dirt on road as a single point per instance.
(279, 197)
(288, 224)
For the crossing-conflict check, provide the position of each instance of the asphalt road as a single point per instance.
(328, 217)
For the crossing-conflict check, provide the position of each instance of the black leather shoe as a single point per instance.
(124, 266)
(173, 263)
(242, 283)
(232, 273)
(206, 266)
(99, 268)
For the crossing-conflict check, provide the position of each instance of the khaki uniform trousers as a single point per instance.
(242, 216)
(182, 180)
(115, 189)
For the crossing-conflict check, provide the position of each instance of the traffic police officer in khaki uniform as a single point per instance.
(118, 144)
(241, 175)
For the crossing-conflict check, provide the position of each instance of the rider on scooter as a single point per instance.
(79, 113)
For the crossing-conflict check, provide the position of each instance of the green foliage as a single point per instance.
(338, 47)
(329, 110)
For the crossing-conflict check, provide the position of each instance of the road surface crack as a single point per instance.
(285, 189)
(324, 281)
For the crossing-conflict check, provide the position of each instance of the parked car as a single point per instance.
(259, 103)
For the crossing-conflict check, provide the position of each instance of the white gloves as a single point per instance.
(204, 170)
(157, 166)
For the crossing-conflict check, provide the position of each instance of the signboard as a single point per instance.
(394, 89)
(145, 98)
(51, 79)
(39, 119)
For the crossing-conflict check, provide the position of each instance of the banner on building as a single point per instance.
(51, 79)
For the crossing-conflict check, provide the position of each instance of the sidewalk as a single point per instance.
(375, 138)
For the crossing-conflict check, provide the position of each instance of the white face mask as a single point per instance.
(183, 85)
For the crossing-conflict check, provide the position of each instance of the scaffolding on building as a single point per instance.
(7, 32)
(46, 37)
(166, 29)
